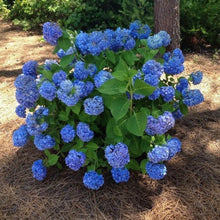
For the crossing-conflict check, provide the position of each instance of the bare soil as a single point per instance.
(191, 189)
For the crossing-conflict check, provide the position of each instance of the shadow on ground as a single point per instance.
(189, 191)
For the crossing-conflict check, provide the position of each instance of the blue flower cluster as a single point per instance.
(92, 180)
(94, 106)
(152, 71)
(192, 97)
(67, 133)
(160, 125)
(58, 77)
(177, 114)
(32, 121)
(196, 77)
(48, 63)
(43, 142)
(167, 92)
(83, 132)
(61, 53)
(173, 62)
(101, 78)
(158, 154)
(75, 160)
(120, 174)
(26, 90)
(80, 72)
(174, 146)
(155, 95)
(183, 84)
(48, 90)
(117, 155)
(39, 171)
(20, 111)
(138, 30)
(156, 171)
(66, 86)
(20, 136)
(51, 32)
(30, 68)
(158, 40)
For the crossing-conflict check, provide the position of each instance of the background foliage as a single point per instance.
(199, 18)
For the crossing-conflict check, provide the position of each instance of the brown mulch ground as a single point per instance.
(191, 190)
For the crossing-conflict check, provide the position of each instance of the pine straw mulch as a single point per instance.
(191, 190)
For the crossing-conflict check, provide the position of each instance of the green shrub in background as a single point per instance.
(3, 9)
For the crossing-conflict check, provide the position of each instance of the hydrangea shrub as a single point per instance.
(106, 103)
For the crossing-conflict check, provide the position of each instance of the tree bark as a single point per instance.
(167, 18)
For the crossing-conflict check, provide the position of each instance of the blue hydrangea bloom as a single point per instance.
(48, 63)
(68, 99)
(155, 95)
(177, 114)
(43, 142)
(20, 111)
(92, 180)
(92, 69)
(80, 72)
(156, 171)
(51, 32)
(101, 78)
(48, 90)
(115, 42)
(83, 132)
(120, 174)
(153, 68)
(30, 68)
(94, 106)
(158, 154)
(58, 77)
(81, 88)
(183, 84)
(61, 53)
(89, 87)
(67, 133)
(137, 30)
(167, 92)
(66, 86)
(153, 126)
(152, 80)
(155, 41)
(165, 38)
(26, 90)
(20, 136)
(174, 62)
(196, 77)
(174, 146)
(75, 160)
(93, 44)
(81, 42)
(39, 171)
(192, 97)
(117, 155)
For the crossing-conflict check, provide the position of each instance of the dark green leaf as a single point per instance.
(76, 108)
(129, 57)
(92, 146)
(120, 75)
(133, 164)
(52, 160)
(47, 74)
(66, 147)
(143, 165)
(66, 60)
(183, 108)
(111, 56)
(142, 88)
(63, 116)
(122, 66)
(64, 43)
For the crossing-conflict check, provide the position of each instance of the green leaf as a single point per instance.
(137, 123)
(92, 146)
(52, 160)
(122, 66)
(92, 155)
(111, 56)
(64, 43)
(129, 57)
(47, 74)
(142, 88)
(133, 164)
(143, 165)
(119, 107)
(120, 75)
(117, 131)
(76, 108)
(162, 50)
(66, 147)
(63, 116)
(66, 60)
(183, 108)
(168, 107)
(113, 86)
(150, 55)
(47, 153)
(160, 139)
(59, 165)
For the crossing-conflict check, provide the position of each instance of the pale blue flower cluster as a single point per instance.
(48, 90)
(160, 125)
(94, 106)
(173, 62)
(138, 30)
(75, 160)
(51, 32)
(196, 77)
(58, 77)
(39, 171)
(156, 171)
(192, 97)
(83, 132)
(158, 40)
(158, 154)
(102, 77)
(117, 155)
(48, 63)
(167, 92)
(20, 136)
(20, 111)
(93, 180)
(43, 142)
(183, 84)
(61, 53)
(30, 68)
(67, 133)
(26, 90)
(120, 174)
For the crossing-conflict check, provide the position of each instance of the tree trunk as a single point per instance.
(166, 18)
